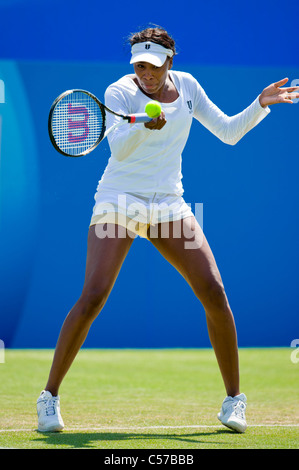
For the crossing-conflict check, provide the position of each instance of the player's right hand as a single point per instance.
(156, 123)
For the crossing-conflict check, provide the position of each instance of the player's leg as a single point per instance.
(104, 260)
(187, 249)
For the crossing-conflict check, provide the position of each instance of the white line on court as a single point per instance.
(145, 428)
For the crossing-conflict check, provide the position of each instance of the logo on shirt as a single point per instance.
(189, 103)
(147, 46)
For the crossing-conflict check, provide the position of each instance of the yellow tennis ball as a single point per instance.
(153, 109)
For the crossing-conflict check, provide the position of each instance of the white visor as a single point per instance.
(150, 52)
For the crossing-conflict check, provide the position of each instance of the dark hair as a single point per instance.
(155, 34)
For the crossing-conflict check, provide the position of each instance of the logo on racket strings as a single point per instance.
(77, 124)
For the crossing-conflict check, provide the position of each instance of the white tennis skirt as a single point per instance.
(138, 213)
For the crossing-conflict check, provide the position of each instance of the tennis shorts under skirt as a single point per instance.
(136, 212)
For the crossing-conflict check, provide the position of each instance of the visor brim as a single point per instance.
(155, 59)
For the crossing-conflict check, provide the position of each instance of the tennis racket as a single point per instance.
(77, 122)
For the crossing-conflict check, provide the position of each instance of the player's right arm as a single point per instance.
(125, 139)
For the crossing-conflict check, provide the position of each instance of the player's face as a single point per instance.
(152, 79)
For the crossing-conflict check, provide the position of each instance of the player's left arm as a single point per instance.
(230, 129)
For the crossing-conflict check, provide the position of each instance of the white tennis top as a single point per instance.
(147, 161)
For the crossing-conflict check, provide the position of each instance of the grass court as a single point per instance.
(150, 399)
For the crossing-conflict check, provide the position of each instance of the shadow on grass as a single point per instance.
(93, 439)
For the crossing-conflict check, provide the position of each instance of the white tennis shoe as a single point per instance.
(232, 413)
(48, 412)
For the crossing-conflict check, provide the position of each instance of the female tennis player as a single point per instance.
(140, 193)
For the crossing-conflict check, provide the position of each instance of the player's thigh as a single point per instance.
(105, 256)
(187, 249)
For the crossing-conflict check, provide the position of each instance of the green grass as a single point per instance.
(142, 399)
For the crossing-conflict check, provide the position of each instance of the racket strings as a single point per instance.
(77, 123)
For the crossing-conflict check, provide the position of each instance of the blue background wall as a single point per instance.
(249, 192)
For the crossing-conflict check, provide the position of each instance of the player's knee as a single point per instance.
(213, 296)
(93, 299)
(217, 297)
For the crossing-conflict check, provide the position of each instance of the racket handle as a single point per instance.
(136, 118)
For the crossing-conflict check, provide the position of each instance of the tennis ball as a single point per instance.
(153, 109)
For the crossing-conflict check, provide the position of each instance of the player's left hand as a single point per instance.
(273, 94)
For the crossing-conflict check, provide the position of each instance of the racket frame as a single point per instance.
(126, 119)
